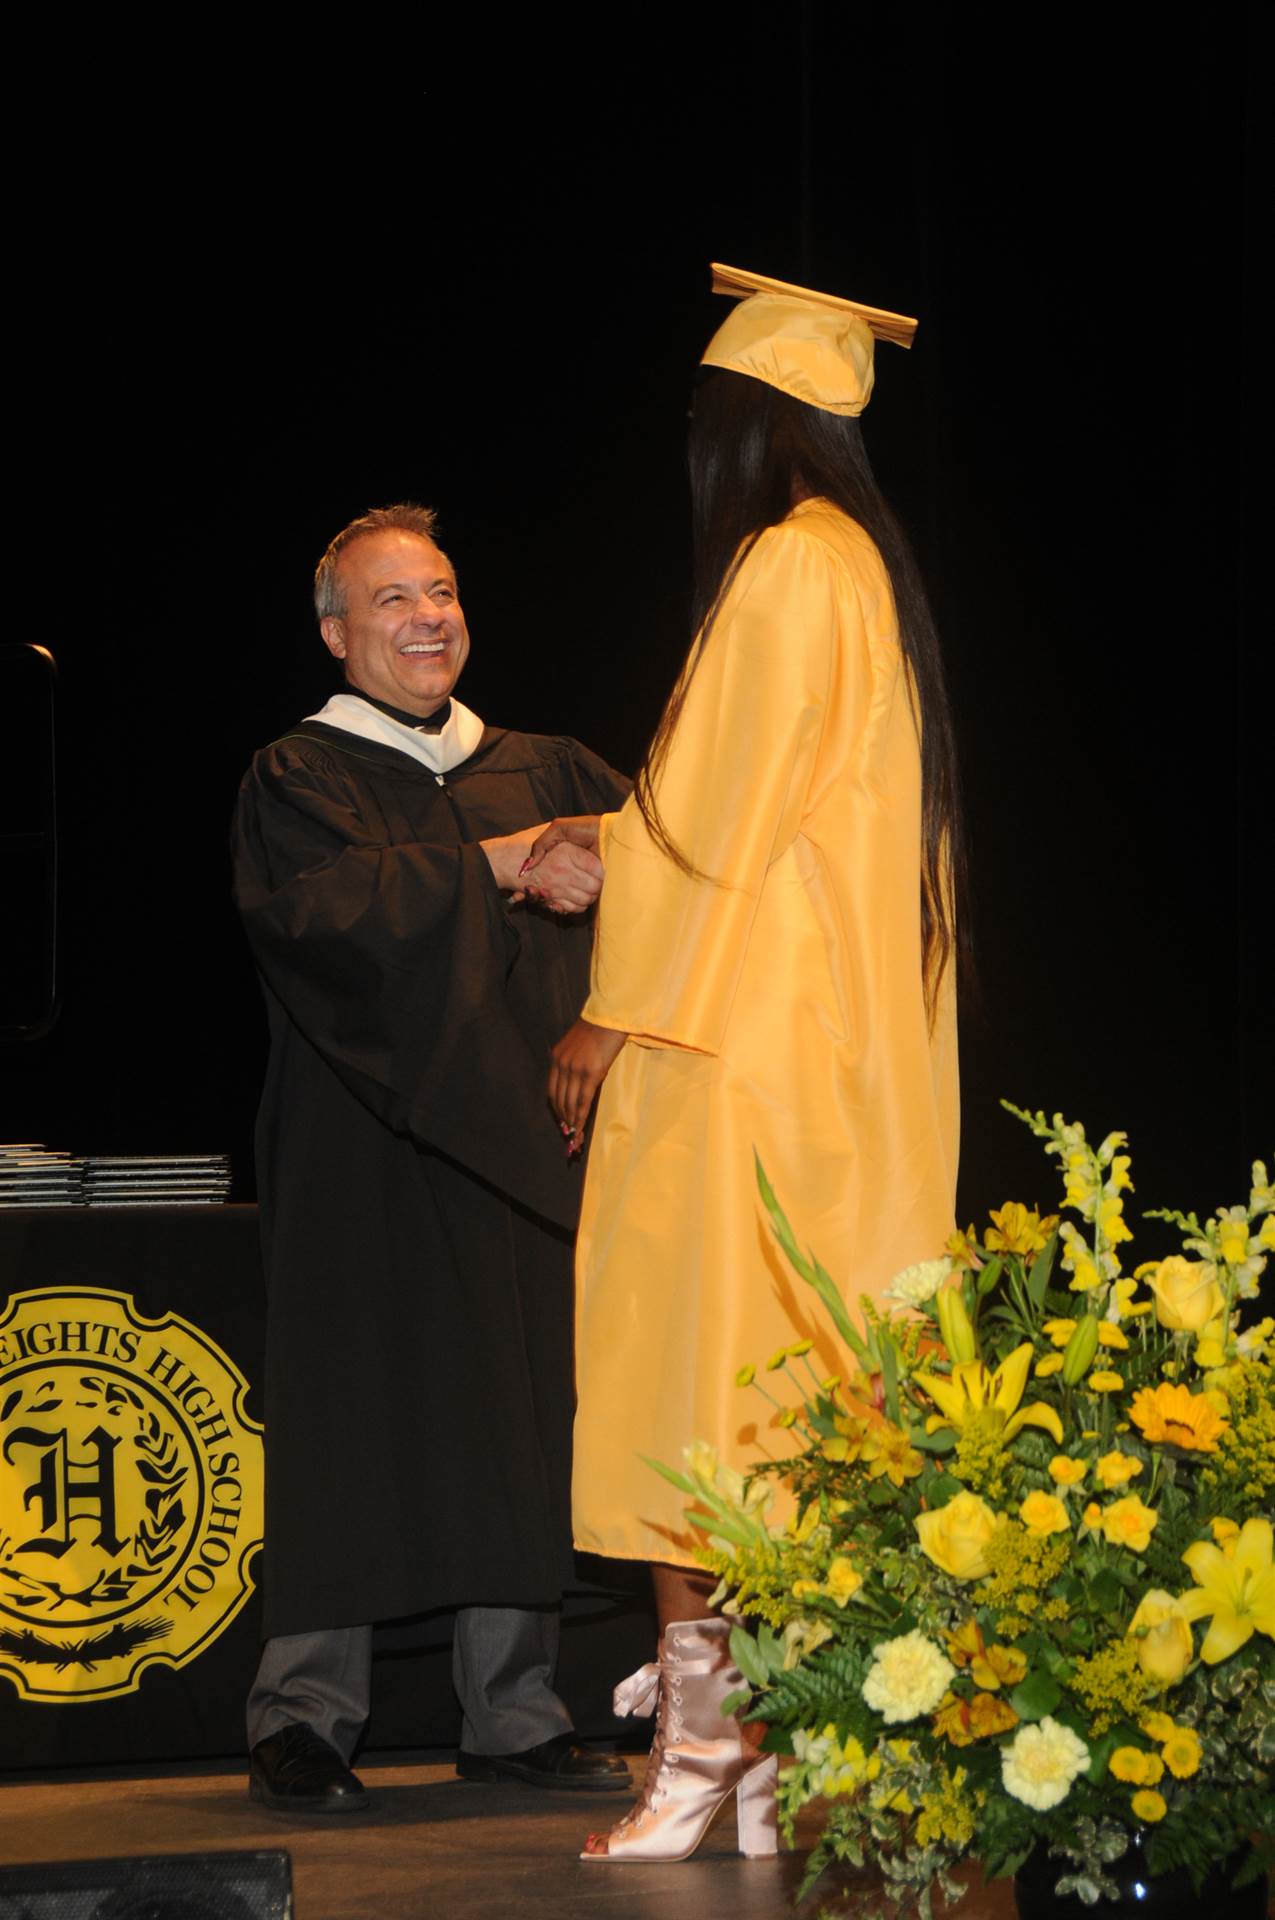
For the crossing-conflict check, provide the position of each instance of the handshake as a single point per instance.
(556, 866)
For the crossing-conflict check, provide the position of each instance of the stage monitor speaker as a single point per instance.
(172, 1886)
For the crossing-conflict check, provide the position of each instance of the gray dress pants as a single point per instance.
(503, 1660)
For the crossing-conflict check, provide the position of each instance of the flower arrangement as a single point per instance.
(1026, 1596)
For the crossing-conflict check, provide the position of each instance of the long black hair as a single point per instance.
(754, 452)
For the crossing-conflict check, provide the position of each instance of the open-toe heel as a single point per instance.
(756, 1813)
(698, 1759)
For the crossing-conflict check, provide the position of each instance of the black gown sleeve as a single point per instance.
(599, 788)
(391, 960)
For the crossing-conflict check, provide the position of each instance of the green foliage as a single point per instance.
(825, 1690)
(1041, 1272)
(809, 1269)
(1035, 1696)
(749, 1658)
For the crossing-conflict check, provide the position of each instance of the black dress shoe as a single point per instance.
(296, 1771)
(557, 1763)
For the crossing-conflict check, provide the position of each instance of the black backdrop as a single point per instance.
(473, 271)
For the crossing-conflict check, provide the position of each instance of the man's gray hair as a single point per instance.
(406, 517)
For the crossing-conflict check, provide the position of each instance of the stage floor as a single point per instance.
(431, 1847)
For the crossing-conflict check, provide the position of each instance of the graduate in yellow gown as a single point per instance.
(773, 964)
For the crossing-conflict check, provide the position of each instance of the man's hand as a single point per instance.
(581, 1060)
(507, 852)
(567, 880)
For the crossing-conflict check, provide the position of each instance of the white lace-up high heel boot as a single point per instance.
(697, 1757)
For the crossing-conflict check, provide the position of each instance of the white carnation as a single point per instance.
(908, 1677)
(1040, 1763)
(915, 1285)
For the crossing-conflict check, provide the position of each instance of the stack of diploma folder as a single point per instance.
(158, 1180)
(32, 1176)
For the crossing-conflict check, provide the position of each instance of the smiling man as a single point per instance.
(388, 608)
(417, 1205)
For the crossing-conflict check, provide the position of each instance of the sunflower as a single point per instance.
(1175, 1414)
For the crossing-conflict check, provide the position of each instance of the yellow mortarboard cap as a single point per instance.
(810, 345)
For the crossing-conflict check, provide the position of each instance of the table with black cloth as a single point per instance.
(203, 1264)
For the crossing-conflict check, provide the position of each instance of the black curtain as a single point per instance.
(258, 305)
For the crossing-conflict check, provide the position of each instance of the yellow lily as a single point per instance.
(1237, 1589)
(974, 1387)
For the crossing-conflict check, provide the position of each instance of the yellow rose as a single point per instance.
(1117, 1470)
(1187, 1295)
(1066, 1472)
(955, 1537)
(1163, 1632)
(1044, 1513)
(1127, 1523)
(1092, 1517)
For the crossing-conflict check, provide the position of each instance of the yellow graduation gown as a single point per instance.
(777, 1006)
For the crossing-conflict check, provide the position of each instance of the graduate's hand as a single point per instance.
(581, 1061)
(580, 829)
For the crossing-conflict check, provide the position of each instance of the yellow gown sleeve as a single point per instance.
(668, 946)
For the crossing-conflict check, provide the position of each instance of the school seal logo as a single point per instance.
(130, 1493)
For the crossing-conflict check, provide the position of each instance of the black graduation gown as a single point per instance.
(417, 1206)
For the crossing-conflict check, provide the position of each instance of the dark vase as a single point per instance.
(1167, 1896)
